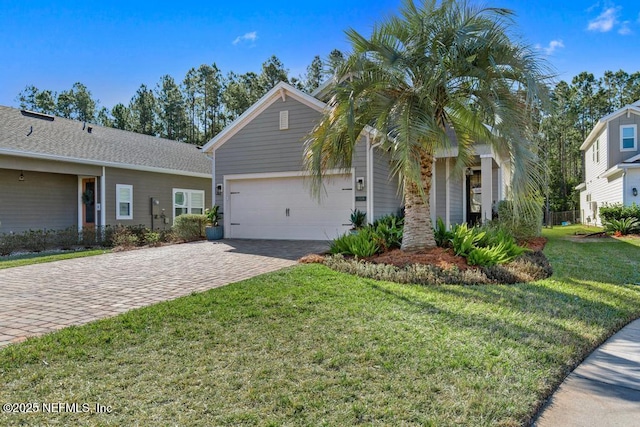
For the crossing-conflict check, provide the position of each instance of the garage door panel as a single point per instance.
(258, 209)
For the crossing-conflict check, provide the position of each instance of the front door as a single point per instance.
(88, 202)
(474, 198)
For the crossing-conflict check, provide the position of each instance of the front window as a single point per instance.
(124, 201)
(187, 202)
(628, 138)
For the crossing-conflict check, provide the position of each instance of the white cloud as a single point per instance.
(605, 21)
(553, 46)
(624, 28)
(252, 36)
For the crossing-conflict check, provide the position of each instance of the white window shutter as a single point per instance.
(284, 120)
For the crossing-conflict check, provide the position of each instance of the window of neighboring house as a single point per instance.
(597, 151)
(124, 201)
(187, 202)
(628, 138)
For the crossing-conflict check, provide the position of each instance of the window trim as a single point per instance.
(188, 192)
(635, 137)
(119, 201)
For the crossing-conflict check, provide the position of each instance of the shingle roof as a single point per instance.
(24, 133)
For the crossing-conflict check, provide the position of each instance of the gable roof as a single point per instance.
(279, 91)
(27, 134)
(627, 109)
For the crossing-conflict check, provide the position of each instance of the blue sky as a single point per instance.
(114, 46)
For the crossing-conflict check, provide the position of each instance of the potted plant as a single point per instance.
(213, 229)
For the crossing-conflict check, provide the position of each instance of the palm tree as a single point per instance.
(433, 76)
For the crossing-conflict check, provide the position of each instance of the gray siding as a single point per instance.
(455, 198)
(386, 198)
(615, 155)
(360, 167)
(441, 189)
(42, 200)
(495, 188)
(261, 147)
(145, 186)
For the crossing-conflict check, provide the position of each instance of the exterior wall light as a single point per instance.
(634, 191)
(360, 183)
(218, 189)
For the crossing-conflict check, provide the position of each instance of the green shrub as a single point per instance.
(441, 234)
(623, 226)
(529, 267)
(360, 244)
(524, 224)
(465, 239)
(152, 238)
(489, 255)
(89, 236)
(67, 238)
(358, 219)
(36, 240)
(391, 220)
(124, 238)
(190, 227)
(8, 244)
(618, 212)
(388, 233)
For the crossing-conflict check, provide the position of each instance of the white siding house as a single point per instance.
(612, 163)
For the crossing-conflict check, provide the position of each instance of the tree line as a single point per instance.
(192, 110)
(574, 110)
(195, 109)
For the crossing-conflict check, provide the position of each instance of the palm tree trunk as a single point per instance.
(418, 231)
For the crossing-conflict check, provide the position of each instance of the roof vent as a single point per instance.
(89, 129)
(36, 115)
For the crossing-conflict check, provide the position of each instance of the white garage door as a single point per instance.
(283, 208)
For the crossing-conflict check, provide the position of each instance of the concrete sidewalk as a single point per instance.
(602, 391)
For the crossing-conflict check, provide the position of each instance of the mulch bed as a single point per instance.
(440, 257)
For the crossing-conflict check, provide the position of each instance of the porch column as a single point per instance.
(486, 164)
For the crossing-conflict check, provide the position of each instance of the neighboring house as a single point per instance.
(612, 163)
(261, 185)
(56, 173)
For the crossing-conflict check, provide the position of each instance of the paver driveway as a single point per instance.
(41, 298)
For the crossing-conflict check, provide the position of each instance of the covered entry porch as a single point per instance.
(469, 195)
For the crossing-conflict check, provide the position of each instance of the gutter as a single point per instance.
(76, 160)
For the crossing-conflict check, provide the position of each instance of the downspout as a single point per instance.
(369, 183)
(213, 178)
(624, 187)
(103, 202)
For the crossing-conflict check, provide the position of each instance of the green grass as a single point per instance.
(310, 346)
(38, 258)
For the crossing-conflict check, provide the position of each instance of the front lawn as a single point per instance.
(41, 257)
(310, 346)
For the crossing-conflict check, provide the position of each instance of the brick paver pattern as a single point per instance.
(42, 298)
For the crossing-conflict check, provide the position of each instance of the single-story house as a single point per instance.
(260, 184)
(612, 163)
(57, 173)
